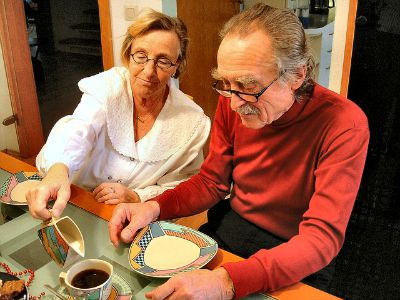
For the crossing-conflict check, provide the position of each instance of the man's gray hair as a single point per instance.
(291, 49)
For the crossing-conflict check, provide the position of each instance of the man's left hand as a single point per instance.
(197, 284)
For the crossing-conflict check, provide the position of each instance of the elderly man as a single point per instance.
(289, 152)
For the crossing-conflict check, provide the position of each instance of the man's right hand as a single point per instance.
(55, 185)
(128, 218)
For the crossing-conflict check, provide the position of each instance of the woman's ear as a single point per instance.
(300, 76)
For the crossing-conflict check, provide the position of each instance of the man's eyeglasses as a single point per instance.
(141, 58)
(219, 87)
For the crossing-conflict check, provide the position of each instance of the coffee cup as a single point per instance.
(88, 279)
(62, 240)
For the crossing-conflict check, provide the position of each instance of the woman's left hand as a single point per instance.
(114, 193)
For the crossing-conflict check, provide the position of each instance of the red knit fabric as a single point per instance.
(296, 178)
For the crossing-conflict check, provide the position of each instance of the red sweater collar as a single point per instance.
(294, 111)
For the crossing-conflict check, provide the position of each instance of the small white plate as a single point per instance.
(163, 249)
(15, 187)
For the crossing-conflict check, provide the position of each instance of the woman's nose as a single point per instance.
(150, 66)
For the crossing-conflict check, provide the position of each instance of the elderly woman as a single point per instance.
(134, 133)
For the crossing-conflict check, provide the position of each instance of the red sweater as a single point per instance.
(296, 178)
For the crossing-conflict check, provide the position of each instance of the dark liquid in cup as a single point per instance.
(89, 278)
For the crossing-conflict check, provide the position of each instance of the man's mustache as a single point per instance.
(248, 109)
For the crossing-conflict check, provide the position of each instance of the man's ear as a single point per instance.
(300, 76)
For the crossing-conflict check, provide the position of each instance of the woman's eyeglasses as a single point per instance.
(141, 58)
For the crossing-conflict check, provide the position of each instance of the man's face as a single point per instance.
(245, 64)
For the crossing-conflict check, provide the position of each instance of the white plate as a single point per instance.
(15, 187)
(163, 249)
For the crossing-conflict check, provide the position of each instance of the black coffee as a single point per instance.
(89, 278)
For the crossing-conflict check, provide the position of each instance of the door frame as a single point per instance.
(106, 34)
(348, 49)
(19, 71)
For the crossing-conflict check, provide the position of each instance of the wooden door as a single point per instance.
(204, 19)
(19, 72)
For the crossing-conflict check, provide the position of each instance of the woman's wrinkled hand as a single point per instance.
(54, 186)
(115, 193)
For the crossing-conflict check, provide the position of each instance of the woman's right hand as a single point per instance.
(55, 185)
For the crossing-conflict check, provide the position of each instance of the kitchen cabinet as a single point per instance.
(321, 46)
(291, 4)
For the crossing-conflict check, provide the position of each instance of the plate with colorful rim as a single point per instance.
(4, 277)
(163, 249)
(13, 190)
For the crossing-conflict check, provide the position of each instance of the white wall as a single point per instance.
(119, 24)
(8, 134)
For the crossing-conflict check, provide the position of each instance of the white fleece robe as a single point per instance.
(97, 141)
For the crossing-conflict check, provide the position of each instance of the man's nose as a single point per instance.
(236, 102)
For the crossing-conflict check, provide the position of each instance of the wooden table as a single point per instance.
(86, 201)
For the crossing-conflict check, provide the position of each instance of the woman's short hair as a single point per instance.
(149, 20)
(291, 49)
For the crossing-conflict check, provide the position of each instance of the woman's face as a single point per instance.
(148, 80)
